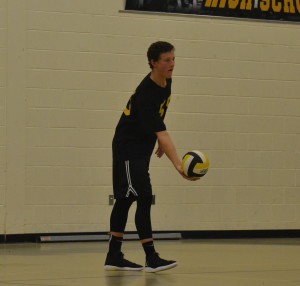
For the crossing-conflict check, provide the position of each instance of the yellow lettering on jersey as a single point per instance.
(162, 106)
(162, 110)
(127, 109)
(168, 101)
(127, 112)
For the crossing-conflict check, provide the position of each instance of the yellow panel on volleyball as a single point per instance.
(195, 164)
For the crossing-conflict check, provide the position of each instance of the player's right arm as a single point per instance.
(165, 142)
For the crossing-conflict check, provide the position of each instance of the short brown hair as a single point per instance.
(156, 49)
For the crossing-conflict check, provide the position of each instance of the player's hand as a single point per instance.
(180, 171)
(159, 152)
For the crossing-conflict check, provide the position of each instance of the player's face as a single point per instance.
(165, 65)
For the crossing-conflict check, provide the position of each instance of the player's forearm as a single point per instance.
(167, 145)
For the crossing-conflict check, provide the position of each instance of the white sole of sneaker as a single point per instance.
(162, 268)
(116, 268)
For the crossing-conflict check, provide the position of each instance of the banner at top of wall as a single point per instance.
(288, 10)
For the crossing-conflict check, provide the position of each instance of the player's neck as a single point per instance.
(159, 80)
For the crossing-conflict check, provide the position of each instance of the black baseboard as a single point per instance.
(201, 234)
(239, 234)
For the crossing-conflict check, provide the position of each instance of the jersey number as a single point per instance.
(163, 106)
(128, 108)
(162, 109)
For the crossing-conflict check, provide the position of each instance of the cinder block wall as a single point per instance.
(67, 70)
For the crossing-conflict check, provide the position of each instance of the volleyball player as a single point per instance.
(140, 127)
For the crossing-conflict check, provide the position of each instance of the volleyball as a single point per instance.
(195, 164)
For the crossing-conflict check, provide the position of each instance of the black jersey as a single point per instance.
(143, 116)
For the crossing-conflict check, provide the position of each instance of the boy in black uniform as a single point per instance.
(140, 126)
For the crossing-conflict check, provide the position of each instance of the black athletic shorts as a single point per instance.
(131, 178)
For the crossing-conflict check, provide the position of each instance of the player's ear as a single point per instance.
(153, 63)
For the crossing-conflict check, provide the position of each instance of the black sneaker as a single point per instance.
(116, 261)
(154, 263)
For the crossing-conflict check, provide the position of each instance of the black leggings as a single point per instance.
(119, 215)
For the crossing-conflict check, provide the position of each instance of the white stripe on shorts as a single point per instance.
(130, 187)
